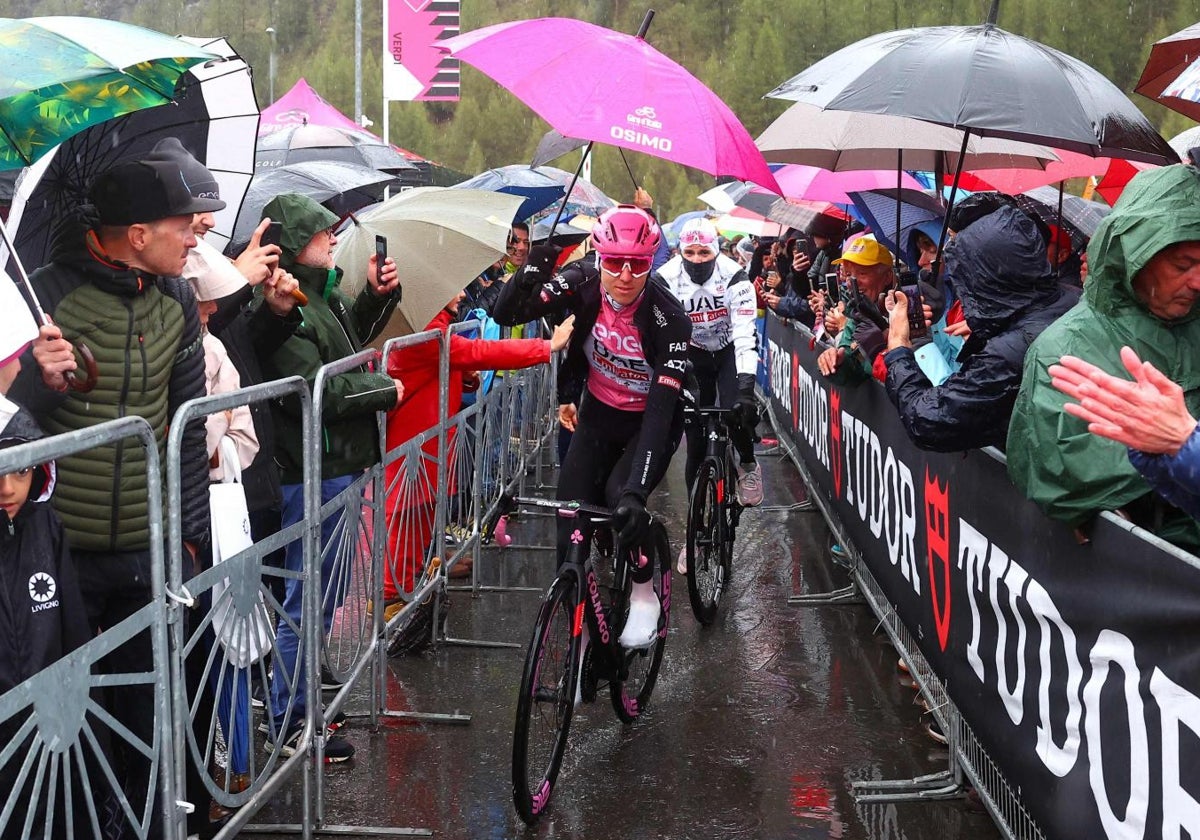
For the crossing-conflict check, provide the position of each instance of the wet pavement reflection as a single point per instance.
(757, 728)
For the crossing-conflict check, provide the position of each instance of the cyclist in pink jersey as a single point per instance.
(619, 385)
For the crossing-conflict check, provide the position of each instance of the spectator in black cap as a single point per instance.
(113, 281)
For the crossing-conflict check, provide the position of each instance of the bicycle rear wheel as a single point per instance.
(546, 700)
(631, 696)
(708, 556)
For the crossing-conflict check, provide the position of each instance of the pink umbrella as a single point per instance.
(607, 87)
(1014, 181)
(813, 184)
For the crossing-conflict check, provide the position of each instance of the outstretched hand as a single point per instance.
(562, 334)
(1148, 414)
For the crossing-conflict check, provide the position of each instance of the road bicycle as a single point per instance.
(591, 592)
(713, 515)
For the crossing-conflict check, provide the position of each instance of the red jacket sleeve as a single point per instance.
(504, 354)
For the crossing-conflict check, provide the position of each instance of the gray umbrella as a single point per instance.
(342, 187)
(986, 81)
(301, 143)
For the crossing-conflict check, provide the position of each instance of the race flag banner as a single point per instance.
(1075, 666)
(414, 69)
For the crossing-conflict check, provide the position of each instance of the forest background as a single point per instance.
(740, 48)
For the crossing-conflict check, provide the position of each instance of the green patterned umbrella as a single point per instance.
(65, 74)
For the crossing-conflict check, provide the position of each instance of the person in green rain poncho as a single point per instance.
(1141, 291)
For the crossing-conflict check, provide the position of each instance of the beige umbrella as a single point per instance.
(440, 238)
(838, 140)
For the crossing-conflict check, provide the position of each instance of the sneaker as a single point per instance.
(258, 695)
(934, 731)
(328, 681)
(337, 749)
(457, 534)
(390, 608)
(642, 624)
(681, 561)
(839, 556)
(749, 486)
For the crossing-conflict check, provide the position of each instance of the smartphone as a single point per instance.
(832, 292)
(916, 312)
(380, 254)
(273, 235)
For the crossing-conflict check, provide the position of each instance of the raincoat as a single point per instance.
(1009, 297)
(1052, 457)
(333, 327)
(410, 501)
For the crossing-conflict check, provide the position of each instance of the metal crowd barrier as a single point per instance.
(60, 734)
(57, 763)
(967, 761)
(207, 735)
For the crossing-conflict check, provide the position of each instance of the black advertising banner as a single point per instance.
(1078, 667)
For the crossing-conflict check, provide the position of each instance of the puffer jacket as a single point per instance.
(332, 328)
(1009, 297)
(145, 334)
(1052, 457)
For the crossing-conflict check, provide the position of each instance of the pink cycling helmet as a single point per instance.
(626, 231)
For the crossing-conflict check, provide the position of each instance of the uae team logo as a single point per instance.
(42, 588)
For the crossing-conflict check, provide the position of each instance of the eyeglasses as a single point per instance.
(637, 266)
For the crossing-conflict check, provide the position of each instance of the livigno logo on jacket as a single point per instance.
(42, 590)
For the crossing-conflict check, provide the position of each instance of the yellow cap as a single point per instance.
(864, 251)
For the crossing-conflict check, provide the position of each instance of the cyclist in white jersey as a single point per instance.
(719, 298)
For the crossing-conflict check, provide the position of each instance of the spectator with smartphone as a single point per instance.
(1009, 296)
(333, 327)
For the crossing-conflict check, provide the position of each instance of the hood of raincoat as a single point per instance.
(1052, 457)
(302, 218)
(22, 428)
(1159, 208)
(999, 270)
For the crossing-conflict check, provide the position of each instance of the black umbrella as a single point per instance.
(342, 187)
(302, 143)
(985, 81)
(214, 115)
(1080, 216)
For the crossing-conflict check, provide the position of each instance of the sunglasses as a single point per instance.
(637, 266)
(695, 237)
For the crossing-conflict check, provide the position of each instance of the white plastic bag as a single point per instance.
(239, 615)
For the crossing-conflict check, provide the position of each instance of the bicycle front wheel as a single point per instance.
(546, 700)
(707, 555)
(631, 695)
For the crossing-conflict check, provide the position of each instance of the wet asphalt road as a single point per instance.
(756, 729)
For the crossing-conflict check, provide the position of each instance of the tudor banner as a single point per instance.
(1077, 667)
(414, 69)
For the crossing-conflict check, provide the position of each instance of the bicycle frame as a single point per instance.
(609, 658)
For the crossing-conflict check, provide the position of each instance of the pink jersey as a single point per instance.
(620, 376)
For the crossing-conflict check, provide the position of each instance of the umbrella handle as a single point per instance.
(82, 381)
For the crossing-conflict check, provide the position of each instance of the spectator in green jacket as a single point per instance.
(332, 328)
(1142, 292)
(113, 282)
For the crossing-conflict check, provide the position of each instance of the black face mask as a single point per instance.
(699, 272)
